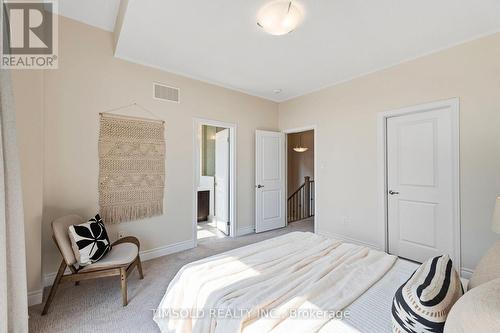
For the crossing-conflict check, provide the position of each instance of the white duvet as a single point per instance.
(298, 282)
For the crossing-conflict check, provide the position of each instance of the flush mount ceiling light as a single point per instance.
(279, 17)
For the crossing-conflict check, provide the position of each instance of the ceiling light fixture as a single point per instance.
(279, 17)
(300, 148)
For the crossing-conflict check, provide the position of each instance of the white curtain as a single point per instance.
(13, 293)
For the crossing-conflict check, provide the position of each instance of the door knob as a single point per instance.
(260, 186)
(391, 192)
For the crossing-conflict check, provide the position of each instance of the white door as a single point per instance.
(222, 180)
(269, 181)
(420, 160)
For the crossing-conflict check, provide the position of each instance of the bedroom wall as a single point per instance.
(346, 114)
(90, 80)
(28, 100)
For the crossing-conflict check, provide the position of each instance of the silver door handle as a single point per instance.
(391, 192)
(260, 186)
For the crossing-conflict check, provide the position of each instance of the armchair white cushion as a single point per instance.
(121, 254)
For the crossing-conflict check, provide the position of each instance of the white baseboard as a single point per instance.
(245, 231)
(466, 273)
(35, 297)
(49, 278)
(348, 239)
(145, 255)
(166, 250)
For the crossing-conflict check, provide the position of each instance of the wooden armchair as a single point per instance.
(120, 261)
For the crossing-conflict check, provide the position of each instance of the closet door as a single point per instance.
(420, 162)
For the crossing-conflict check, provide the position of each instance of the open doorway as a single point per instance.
(301, 177)
(214, 187)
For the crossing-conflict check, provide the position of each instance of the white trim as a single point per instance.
(466, 273)
(48, 279)
(246, 231)
(348, 239)
(35, 297)
(316, 182)
(454, 105)
(145, 255)
(197, 122)
(166, 250)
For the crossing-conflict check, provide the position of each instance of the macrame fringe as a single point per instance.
(116, 214)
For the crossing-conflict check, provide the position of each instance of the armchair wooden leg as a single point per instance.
(123, 278)
(53, 290)
(139, 268)
(74, 271)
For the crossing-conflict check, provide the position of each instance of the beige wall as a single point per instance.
(90, 80)
(346, 119)
(28, 99)
(300, 165)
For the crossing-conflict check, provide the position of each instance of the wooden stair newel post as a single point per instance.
(307, 196)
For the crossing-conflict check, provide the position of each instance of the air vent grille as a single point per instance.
(165, 93)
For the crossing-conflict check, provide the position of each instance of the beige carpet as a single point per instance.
(95, 306)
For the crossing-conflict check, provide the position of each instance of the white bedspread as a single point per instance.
(292, 283)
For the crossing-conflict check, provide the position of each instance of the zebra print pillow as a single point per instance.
(422, 303)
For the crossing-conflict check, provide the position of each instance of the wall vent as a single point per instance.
(166, 93)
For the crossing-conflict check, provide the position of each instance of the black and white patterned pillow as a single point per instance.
(422, 303)
(89, 240)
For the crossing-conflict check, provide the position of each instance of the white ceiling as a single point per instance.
(99, 13)
(219, 41)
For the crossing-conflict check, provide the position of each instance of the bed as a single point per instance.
(298, 282)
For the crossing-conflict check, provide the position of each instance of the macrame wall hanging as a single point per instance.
(131, 167)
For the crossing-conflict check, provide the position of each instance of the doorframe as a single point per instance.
(197, 123)
(298, 130)
(454, 105)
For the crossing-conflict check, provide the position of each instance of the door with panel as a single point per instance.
(420, 171)
(270, 199)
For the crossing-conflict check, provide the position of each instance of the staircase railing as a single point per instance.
(300, 203)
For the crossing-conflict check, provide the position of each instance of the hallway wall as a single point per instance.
(300, 165)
